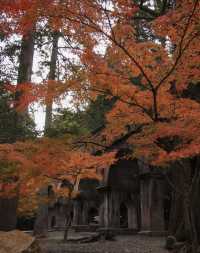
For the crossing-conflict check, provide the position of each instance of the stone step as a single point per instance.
(152, 233)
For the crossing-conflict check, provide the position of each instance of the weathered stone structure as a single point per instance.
(134, 198)
(120, 190)
(57, 214)
(152, 199)
(58, 208)
(86, 204)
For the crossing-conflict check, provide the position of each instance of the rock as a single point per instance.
(18, 242)
(106, 233)
(170, 242)
(179, 245)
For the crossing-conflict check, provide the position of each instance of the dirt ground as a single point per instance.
(121, 244)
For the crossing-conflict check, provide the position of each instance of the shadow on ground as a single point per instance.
(121, 244)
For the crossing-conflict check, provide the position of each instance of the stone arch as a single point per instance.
(53, 221)
(123, 215)
(50, 190)
(93, 212)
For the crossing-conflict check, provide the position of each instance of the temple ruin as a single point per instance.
(132, 197)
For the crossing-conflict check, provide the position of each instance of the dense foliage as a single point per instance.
(11, 129)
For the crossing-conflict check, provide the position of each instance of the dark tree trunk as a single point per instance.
(41, 222)
(24, 74)
(52, 76)
(8, 213)
(25, 63)
(185, 220)
(8, 206)
(26, 58)
(176, 223)
(194, 206)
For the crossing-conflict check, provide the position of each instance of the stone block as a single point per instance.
(18, 242)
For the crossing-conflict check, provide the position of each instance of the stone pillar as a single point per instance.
(132, 216)
(151, 202)
(61, 216)
(145, 205)
(115, 202)
(101, 214)
(157, 206)
(106, 209)
(76, 213)
(85, 218)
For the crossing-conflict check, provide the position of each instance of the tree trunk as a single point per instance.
(194, 207)
(41, 222)
(191, 233)
(176, 223)
(26, 58)
(52, 76)
(185, 220)
(24, 74)
(8, 213)
(8, 206)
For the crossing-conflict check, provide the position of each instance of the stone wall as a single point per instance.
(120, 196)
(134, 191)
(112, 214)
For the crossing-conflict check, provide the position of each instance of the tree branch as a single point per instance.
(181, 49)
(90, 142)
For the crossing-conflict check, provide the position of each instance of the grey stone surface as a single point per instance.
(122, 244)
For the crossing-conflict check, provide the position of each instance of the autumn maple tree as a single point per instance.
(150, 80)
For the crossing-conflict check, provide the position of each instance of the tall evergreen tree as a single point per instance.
(51, 77)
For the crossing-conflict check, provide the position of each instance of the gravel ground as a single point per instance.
(121, 244)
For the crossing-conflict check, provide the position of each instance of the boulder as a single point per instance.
(170, 242)
(18, 242)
